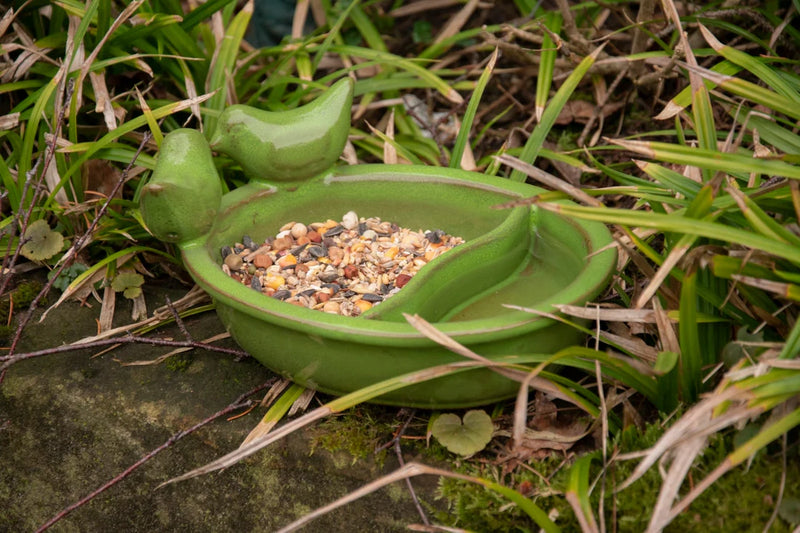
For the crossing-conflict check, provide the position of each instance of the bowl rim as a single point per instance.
(589, 282)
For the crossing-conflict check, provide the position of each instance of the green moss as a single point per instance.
(5, 332)
(567, 139)
(22, 296)
(476, 508)
(739, 501)
(359, 432)
(4, 309)
(179, 362)
(25, 293)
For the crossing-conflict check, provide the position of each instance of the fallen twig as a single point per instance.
(402, 462)
(9, 360)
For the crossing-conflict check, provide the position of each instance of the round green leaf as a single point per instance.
(465, 438)
(128, 284)
(789, 510)
(132, 292)
(41, 243)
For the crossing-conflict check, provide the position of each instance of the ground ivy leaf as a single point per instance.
(128, 284)
(41, 243)
(66, 276)
(465, 438)
(132, 292)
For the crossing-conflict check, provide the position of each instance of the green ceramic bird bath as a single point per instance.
(522, 256)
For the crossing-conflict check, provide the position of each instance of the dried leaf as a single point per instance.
(107, 309)
(457, 21)
(389, 151)
(9, 122)
(139, 310)
(540, 443)
(100, 177)
(53, 180)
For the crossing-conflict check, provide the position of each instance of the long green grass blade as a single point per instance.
(668, 382)
(704, 125)
(539, 133)
(775, 384)
(671, 179)
(32, 127)
(577, 492)
(10, 185)
(334, 35)
(469, 116)
(755, 93)
(771, 133)
(547, 62)
(402, 64)
(437, 49)
(761, 222)
(202, 12)
(684, 98)
(744, 163)
(224, 65)
(768, 434)
(791, 345)
(753, 64)
(282, 405)
(691, 357)
(526, 504)
(614, 367)
(678, 224)
(109, 138)
(367, 29)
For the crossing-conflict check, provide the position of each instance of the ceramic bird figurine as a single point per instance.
(181, 199)
(287, 145)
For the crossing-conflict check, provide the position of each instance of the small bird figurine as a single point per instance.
(287, 145)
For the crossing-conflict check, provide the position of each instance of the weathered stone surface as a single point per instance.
(70, 423)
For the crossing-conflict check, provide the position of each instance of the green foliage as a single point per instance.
(25, 292)
(40, 242)
(67, 275)
(179, 362)
(20, 298)
(742, 498)
(422, 32)
(463, 437)
(358, 432)
(128, 283)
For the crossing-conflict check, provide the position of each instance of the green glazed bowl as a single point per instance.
(521, 256)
